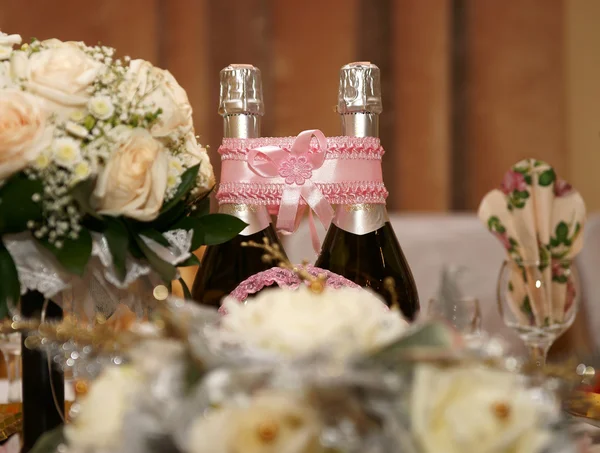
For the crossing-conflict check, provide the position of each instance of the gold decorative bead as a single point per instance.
(268, 430)
(501, 410)
(317, 287)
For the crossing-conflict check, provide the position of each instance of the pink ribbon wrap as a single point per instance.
(288, 173)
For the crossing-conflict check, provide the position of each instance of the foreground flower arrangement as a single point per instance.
(99, 165)
(187, 386)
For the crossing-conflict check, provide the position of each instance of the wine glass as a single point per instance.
(539, 300)
(463, 314)
(10, 346)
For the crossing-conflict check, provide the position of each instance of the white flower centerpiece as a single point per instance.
(102, 179)
(287, 324)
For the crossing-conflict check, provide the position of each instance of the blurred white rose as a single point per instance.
(271, 422)
(24, 133)
(6, 45)
(60, 73)
(475, 410)
(5, 77)
(98, 424)
(286, 322)
(134, 180)
(159, 89)
(196, 154)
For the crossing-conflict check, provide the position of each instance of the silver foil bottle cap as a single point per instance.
(360, 89)
(241, 91)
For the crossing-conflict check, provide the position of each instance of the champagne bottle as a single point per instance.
(360, 243)
(225, 266)
(43, 384)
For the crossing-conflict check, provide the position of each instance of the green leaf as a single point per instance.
(547, 177)
(82, 194)
(191, 261)
(117, 236)
(528, 180)
(523, 194)
(201, 207)
(562, 232)
(560, 279)
(10, 289)
(155, 236)
(526, 307)
(188, 180)
(219, 228)
(16, 203)
(166, 220)
(165, 270)
(433, 335)
(49, 441)
(74, 253)
(89, 122)
(186, 291)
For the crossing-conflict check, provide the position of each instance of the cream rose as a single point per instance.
(24, 133)
(60, 73)
(159, 89)
(134, 180)
(194, 155)
(6, 45)
(99, 422)
(270, 422)
(475, 410)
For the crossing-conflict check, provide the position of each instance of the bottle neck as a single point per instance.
(241, 126)
(360, 218)
(256, 216)
(360, 124)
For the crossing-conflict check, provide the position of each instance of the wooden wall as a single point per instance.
(470, 86)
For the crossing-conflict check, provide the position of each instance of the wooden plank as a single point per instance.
(421, 156)
(131, 26)
(583, 91)
(308, 51)
(373, 41)
(516, 106)
(184, 50)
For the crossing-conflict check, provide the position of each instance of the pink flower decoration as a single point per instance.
(503, 237)
(512, 181)
(562, 188)
(295, 170)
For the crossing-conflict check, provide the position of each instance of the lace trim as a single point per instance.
(270, 194)
(285, 278)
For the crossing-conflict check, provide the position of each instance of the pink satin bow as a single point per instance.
(296, 168)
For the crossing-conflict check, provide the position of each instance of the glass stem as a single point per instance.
(538, 353)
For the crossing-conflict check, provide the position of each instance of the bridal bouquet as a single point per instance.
(101, 174)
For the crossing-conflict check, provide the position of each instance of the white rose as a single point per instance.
(6, 45)
(134, 180)
(474, 410)
(159, 89)
(23, 131)
(196, 154)
(98, 424)
(60, 73)
(5, 77)
(271, 422)
(286, 322)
